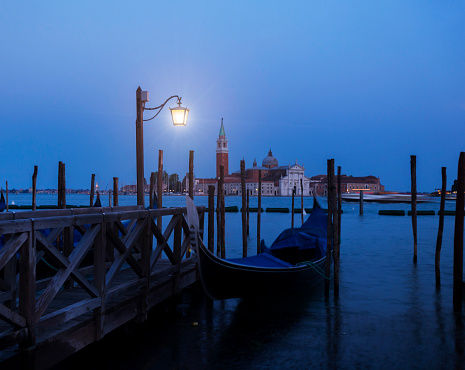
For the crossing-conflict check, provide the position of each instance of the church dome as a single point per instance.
(270, 161)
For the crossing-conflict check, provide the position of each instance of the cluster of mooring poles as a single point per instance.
(458, 284)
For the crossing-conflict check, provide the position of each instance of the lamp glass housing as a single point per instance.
(179, 115)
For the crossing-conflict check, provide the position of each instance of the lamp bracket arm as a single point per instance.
(160, 107)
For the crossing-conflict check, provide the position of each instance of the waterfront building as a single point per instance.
(349, 184)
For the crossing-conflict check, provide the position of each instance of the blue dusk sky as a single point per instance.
(368, 83)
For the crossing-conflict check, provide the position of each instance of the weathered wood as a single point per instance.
(211, 218)
(244, 210)
(259, 209)
(330, 171)
(191, 174)
(34, 189)
(140, 149)
(218, 218)
(223, 216)
(339, 205)
(248, 213)
(59, 185)
(6, 194)
(361, 202)
(335, 228)
(115, 191)
(92, 190)
(437, 258)
(302, 200)
(63, 186)
(292, 208)
(458, 236)
(413, 170)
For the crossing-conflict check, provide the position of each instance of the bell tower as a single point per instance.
(222, 152)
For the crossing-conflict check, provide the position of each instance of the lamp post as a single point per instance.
(178, 115)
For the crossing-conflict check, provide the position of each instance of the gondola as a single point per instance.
(2, 202)
(295, 262)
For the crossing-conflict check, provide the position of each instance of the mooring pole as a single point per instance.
(259, 210)
(336, 230)
(247, 206)
(160, 187)
(413, 169)
(223, 215)
(211, 218)
(34, 189)
(361, 202)
(458, 235)
(302, 200)
(92, 190)
(115, 191)
(6, 190)
(437, 258)
(244, 210)
(191, 174)
(330, 171)
(292, 208)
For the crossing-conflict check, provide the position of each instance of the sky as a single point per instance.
(368, 83)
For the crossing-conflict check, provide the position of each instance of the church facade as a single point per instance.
(275, 180)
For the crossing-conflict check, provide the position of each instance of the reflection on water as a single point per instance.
(389, 313)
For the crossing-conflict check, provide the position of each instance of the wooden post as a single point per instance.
(152, 190)
(413, 170)
(59, 185)
(140, 149)
(109, 198)
(92, 190)
(259, 210)
(330, 171)
(302, 199)
(115, 191)
(6, 190)
(191, 174)
(211, 218)
(292, 208)
(458, 235)
(335, 229)
(160, 187)
(339, 206)
(247, 206)
(34, 189)
(361, 202)
(244, 216)
(218, 218)
(223, 216)
(437, 258)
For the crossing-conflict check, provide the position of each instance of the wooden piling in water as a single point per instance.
(211, 218)
(160, 186)
(115, 191)
(6, 191)
(61, 185)
(247, 206)
(458, 236)
(292, 208)
(259, 209)
(92, 190)
(218, 219)
(335, 232)
(34, 189)
(437, 258)
(244, 216)
(339, 204)
(109, 198)
(191, 174)
(413, 170)
(361, 202)
(330, 172)
(223, 216)
(302, 209)
(152, 188)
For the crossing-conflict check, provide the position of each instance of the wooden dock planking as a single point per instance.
(70, 311)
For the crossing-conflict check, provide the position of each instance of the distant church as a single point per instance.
(276, 180)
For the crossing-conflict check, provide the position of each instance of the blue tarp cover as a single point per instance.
(311, 235)
(260, 260)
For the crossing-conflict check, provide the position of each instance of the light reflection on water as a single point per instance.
(389, 313)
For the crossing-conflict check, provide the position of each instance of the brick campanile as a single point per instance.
(222, 152)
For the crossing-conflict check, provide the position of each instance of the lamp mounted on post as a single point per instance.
(179, 116)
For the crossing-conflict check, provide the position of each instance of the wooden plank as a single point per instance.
(12, 317)
(15, 226)
(60, 277)
(11, 247)
(121, 248)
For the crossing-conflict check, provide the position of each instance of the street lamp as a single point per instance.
(179, 116)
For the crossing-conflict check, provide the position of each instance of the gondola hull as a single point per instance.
(222, 279)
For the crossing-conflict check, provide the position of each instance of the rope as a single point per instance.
(318, 269)
(48, 264)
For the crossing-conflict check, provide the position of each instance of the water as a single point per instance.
(389, 313)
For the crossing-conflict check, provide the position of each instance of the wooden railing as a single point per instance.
(99, 266)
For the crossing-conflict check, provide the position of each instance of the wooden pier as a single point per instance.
(119, 267)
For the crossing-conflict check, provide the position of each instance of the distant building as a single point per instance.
(349, 184)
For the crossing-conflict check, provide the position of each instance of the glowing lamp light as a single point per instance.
(179, 114)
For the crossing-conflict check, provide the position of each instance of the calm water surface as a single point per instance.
(389, 313)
